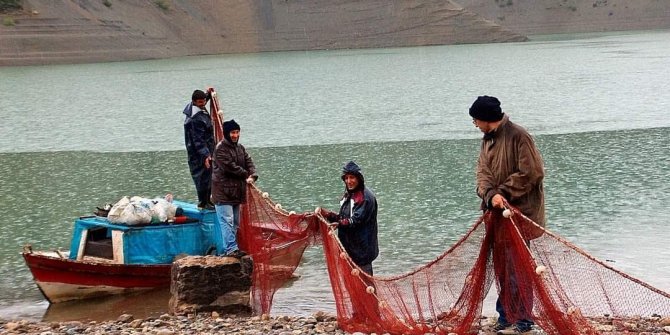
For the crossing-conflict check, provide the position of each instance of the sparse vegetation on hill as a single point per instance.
(8, 21)
(162, 4)
(10, 5)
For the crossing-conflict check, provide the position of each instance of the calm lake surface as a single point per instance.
(76, 137)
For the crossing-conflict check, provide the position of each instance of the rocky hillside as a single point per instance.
(77, 31)
(71, 31)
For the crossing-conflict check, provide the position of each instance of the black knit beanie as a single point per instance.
(486, 108)
(229, 126)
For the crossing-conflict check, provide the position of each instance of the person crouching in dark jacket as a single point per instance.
(357, 219)
(233, 169)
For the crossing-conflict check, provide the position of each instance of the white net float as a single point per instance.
(507, 213)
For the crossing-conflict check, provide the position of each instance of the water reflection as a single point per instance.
(142, 305)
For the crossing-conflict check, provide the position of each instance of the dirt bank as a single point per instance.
(531, 17)
(78, 31)
(69, 31)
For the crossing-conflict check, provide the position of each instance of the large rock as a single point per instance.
(211, 284)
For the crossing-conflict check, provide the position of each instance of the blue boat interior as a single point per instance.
(95, 236)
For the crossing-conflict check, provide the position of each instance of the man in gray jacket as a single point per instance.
(509, 170)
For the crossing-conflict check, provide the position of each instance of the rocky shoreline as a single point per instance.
(319, 323)
(206, 323)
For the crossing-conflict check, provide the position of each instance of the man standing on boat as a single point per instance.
(509, 170)
(199, 139)
(233, 169)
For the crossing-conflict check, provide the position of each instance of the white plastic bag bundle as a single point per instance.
(148, 205)
(114, 215)
(135, 214)
(129, 212)
(139, 210)
(162, 210)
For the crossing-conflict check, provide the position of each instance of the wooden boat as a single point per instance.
(106, 258)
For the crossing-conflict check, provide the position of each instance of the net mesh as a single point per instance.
(537, 274)
(276, 239)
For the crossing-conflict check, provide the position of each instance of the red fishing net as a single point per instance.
(216, 114)
(276, 239)
(537, 274)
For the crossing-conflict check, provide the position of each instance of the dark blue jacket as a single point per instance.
(358, 210)
(198, 136)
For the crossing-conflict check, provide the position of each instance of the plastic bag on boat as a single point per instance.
(115, 212)
(163, 210)
(135, 214)
(148, 206)
(129, 212)
(139, 210)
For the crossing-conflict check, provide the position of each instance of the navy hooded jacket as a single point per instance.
(198, 136)
(358, 208)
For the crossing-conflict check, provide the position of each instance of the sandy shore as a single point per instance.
(319, 323)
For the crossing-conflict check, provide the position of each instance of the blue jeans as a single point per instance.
(502, 319)
(225, 236)
(522, 301)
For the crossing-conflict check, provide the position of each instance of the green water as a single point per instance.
(76, 137)
(607, 192)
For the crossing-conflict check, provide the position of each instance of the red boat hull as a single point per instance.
(61, 279)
